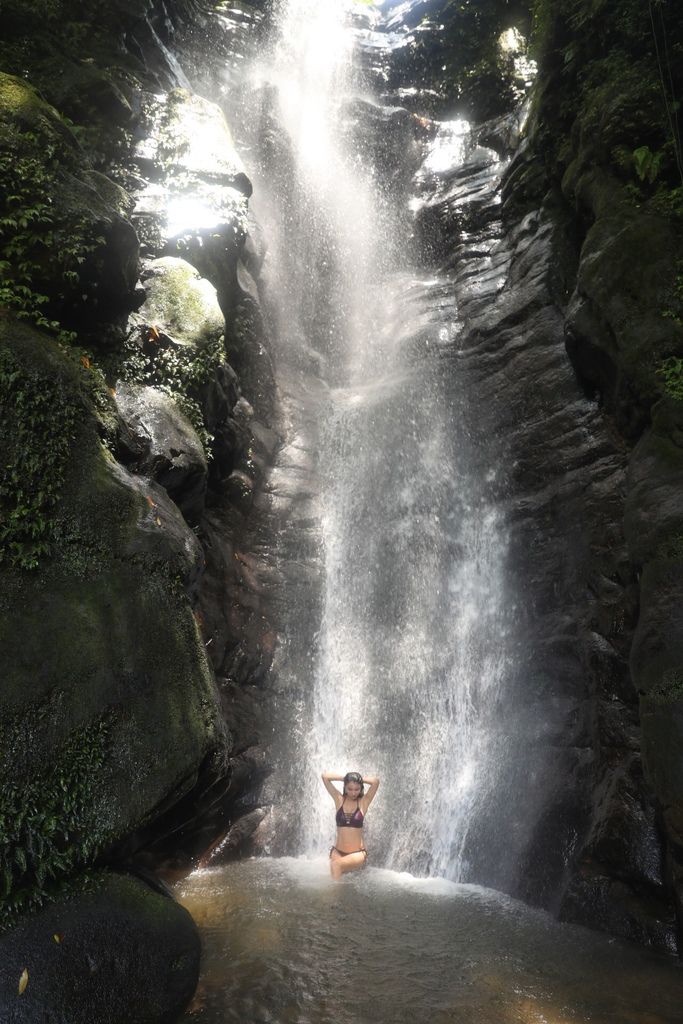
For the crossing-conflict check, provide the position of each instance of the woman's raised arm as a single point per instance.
(373, 782)
(330, 777)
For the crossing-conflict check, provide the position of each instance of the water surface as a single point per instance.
(282, 944)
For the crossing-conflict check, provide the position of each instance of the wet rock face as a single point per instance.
(161, 444)
(616, 333)
(119, 953)
(624, 336)
(654, 523)
(193, 203)
(577, 809)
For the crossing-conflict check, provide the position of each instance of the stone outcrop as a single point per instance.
(116, 952)
(162, 445)
(129, 469)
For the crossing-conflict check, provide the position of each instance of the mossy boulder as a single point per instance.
(179, 303)
(116, 953)
(108, 706)
(169, 377)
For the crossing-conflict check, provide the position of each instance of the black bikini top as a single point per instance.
(344, 820)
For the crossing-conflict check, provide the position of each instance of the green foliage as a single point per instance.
(647, 164)
(612, 60)
(64, 47)
(669, 371)
(39, 242)
(47, 825)
(181, 371)
(671, 374)
(456, 52)
(41, 410)
(38, 419)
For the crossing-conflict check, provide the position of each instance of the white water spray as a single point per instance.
(411, 649)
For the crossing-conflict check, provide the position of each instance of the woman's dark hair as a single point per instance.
(354, 777)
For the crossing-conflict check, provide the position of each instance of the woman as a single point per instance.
(349, 853)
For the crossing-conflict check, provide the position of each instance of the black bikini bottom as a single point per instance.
(347, 853)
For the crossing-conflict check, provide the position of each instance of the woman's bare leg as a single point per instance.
(336, 862)
(341, 865)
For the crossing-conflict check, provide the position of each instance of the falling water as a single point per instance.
(411, 648)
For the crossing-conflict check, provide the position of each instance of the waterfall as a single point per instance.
(406, 662)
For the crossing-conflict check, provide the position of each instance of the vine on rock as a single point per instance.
(39, 241)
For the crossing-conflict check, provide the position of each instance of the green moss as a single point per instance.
(49, 823)
(116, 713)
(178, 344)
(180, 301)
(614, 64)
(47, 394)
(44, 237)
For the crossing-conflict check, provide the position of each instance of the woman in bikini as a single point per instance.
(349, 853)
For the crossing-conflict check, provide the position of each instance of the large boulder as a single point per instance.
(108, 706)
(117, 953)
(163, 445)
(179, 304)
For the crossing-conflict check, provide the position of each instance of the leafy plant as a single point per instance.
(671, 374)
(181, 371)
(647, 164)
(39, 417)
(47, 824)
(39, 242)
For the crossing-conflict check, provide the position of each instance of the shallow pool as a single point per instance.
(282, 943)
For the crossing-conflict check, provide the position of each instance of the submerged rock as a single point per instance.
(119, 953)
